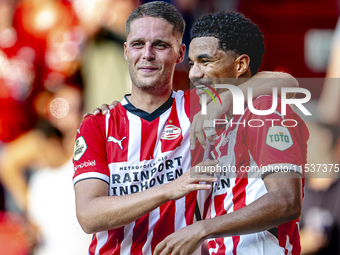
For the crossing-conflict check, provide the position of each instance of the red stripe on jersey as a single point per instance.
(190, 206)
(207, 206)
(291, 230)
(296, 244)
(149, 138)
(113, 243)
(93, 245)
(219, 204)
(236, 240)
(197, 155)
(166, 223)
(140, 231)
(118, 129)
(282, 235)
(191, 103)
(221, 246)
(169, 140)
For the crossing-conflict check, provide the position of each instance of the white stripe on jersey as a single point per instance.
(229, 244)
(258, 243)
(127, 241)
(101, 240)
(153, 218)
(107, 117)
(134, 137)
(180, 220)
(91, 175)
(288, 247)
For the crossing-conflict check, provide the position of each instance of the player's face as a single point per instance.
(152, 51)
(208, 63)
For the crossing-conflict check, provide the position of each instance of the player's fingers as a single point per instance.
(211, 139)
(205, 167)
(97, 111)
(159, 248)
(166, 251)
(201, 138)
(199, 133)
(114, 104)
(203, 178)
(193, 187)
(104, 108)
(86, 115)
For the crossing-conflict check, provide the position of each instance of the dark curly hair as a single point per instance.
(158, 9)
(234, 33)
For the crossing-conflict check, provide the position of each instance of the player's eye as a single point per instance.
(137, 44)
(205, 61)
(160, 45)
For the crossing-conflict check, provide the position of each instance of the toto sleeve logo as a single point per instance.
(279, 138)
(171, 132)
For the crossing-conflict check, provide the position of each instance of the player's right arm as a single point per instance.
(96, 210)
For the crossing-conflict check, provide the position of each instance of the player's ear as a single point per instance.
(242, 65)
(125, 51)
(181, 54)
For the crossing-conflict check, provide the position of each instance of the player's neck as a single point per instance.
(149, 101)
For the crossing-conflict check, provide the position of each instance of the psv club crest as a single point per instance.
(171, 132)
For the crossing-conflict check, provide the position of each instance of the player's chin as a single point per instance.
(208, 98)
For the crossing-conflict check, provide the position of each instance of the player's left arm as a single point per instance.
(282, 203)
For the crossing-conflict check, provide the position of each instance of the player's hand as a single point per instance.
(188, 181)
(103, 109)
(183, 242)
(203, 125)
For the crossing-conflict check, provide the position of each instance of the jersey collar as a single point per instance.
(145, 115)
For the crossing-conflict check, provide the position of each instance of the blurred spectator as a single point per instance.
(35, 149)
(320, 218)
(104, 67)
(50, 189)
(51, 194)
(40, 44)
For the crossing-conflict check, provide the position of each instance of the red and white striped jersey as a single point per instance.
(246, 153)
(132, 150)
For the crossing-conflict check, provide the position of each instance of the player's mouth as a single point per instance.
(147, 69)
(200, 88)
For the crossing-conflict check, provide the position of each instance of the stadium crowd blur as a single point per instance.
(60, 59)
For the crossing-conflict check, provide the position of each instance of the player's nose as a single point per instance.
(148, 53)
(195, 72)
